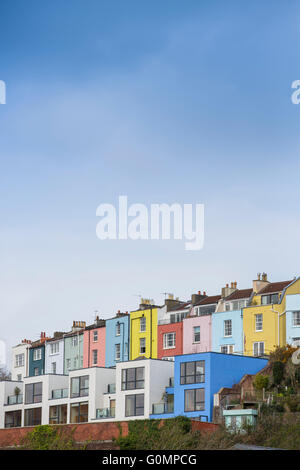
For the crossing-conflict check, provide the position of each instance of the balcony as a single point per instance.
(111, 388)
(15, 399)
(105, 413)
(162, 408)
(60, 393)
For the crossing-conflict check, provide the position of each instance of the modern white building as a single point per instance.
(126, 392)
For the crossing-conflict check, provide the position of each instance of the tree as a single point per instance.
(261, 382)
(4, 374)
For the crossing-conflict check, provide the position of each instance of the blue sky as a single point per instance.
(172, 101)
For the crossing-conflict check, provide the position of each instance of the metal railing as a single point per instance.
(15, 399)
(111, 388)
(60, 393)
(104, 413)
(162, 408)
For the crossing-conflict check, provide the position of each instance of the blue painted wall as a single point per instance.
(221, 370)
(292, 304)
(40, 364)
(111, 339)
(218, 338)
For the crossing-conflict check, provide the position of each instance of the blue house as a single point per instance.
(293, 319)
(36, 364)
(197, 377)
(227, 323)
(117, 339)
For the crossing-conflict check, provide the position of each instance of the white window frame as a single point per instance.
(142, 324)
(259, 322)
(53, 367)
(194, 334)
(117, 352)
(259, 351)
(144, 340)
(74, 341)
(37, 354)
(54, 348)
(20, 360)
(95, 356)
(228, 347)
(118, 329)
(296, 318)
(95, 336)
(226, 322)
(169, 340)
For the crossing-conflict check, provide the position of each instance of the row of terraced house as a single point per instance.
(154, 362)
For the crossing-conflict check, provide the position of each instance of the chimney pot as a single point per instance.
(204, 292)
(227, 285)
(199, 292)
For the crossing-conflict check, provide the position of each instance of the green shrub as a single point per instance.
(261, 381)
(48, 437)
(174, 433)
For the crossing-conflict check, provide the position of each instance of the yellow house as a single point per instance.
(264, 321)
(143, 331)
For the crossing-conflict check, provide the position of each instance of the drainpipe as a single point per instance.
(279, 315)
(151, 332)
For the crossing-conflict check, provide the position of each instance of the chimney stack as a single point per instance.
(261, 282)
(226, 291)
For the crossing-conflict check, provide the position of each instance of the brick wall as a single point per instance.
(83, 432)
(89, 431)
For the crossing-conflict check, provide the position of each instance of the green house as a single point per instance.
(236, 420)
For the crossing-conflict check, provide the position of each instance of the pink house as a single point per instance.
(197, 330)
(94, 344)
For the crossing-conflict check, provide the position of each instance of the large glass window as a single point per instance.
(133, 378)
(58, 414)
(134, 405)
(296, 318)
(194, 400)
(79, 412)
(13, 419)
(80, 386)
(33, 417)
(33, 393)
(192, 372)
(269, 299)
